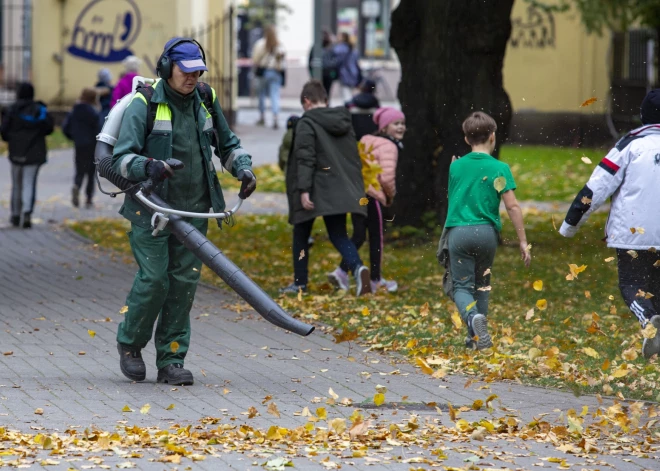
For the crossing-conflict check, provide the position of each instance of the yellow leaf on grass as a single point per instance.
(145, 409)
(538, 285)
(365, 311)
(364, 201)
(91, 333)
(456, 320)
(649, 331)
(542, 304)
(499, 183)
(379, 399)
(591, 352)
(621, 372)
(575, 270)
(586, 159)
(630, 354)
(424, 366)
(170, 407)
(174, 346)
(126, 409)
(534, 353)
(589, 101)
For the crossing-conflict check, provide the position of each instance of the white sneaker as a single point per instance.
(362, 281)
(390, 285)
(480, 327)
(651, 347)
(339, 279)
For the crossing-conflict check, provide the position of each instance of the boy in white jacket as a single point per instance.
(630, 173)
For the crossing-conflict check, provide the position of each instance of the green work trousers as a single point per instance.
(471, 254)
(163, 289)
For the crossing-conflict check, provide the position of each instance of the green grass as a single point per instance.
(56, 140)
(549, 173)
(269, 179)
(542, 173)
(417, 321)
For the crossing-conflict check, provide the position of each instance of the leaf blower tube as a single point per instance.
(192, 239)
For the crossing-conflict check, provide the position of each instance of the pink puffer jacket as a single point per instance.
(386, 154)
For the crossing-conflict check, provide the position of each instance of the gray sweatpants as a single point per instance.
(23, 188)
(471, 254)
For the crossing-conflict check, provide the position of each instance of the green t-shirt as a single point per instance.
(476, 184)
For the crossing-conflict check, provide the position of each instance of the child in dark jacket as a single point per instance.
(362, 107)
(324, 179)
(81, 126)
(25, 125)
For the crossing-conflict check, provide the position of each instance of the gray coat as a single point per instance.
(325, 162)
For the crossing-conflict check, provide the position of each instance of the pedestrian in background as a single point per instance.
(350, 74)
(363, 106)
(268, 62)
(104, 90)
(25, 125)
(125, 84)
(329, 65)
(324, 179)
(384, 148)
(82, 125)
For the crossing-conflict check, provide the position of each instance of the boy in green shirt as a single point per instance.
(477, 184)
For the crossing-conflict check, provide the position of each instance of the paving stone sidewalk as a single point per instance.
(55, 287)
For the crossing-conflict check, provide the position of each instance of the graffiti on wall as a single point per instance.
(105, 30)
(535, 30)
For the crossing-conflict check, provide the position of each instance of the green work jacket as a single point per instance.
(133, 149)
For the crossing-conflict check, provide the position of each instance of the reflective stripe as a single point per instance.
(163, 121)
(127, 159)
(208, 124)
(162, 125)
(140, 96)
(239, 151)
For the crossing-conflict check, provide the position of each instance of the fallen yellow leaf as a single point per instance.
(170, 407)
(591, 352)
(379, 399)
(126, 409)
(145, 409)
(91, 333)
(538, 285)
(542, 304)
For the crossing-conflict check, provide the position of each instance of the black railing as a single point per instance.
(217, 38)
(15, 46)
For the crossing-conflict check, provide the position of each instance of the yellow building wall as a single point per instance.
(552, 65)
(73, 39)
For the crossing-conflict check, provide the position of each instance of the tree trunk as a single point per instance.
(451, 54)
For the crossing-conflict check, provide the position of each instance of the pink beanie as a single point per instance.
(387, 115)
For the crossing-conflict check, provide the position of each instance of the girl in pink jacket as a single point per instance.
(385, 146)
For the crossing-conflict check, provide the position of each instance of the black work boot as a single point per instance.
(27, 221)
(15, 221)
(131, 363)
(175, 374)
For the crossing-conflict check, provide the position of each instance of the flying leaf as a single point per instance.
(575, 271)
(499, 183)
(649, 331)
(91, 333)
(364, 201)
(379, 399)
(657, 263)
(542, 304)
(273, 410)
(591, 352)
(145, 409)
(170, 407)
(424, 366)
(538, 285)
(632, 253)
(302, 254)
(456, 320)
(585, 200)
(609, 259)
(588, 102)
(123, 310)
(381, 389)
(586, 159)
(470, 306)
(174, 346)
(299, 294)
(345, 336)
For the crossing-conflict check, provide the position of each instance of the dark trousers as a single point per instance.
(637, 274)
(336, 227)
(85, 168)
(23, 188)
(373, 223)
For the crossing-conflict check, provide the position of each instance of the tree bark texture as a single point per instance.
(451, 54)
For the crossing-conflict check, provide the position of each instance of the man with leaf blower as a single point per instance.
(177, 118)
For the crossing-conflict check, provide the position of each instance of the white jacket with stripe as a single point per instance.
(630, 173)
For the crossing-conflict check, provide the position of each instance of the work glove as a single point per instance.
(158, 170)
(248, 183)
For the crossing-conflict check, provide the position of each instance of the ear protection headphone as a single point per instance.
(164, 65)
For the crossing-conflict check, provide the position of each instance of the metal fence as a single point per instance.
(217, 38)
(15, 46)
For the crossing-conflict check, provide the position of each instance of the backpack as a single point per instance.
(205, 92)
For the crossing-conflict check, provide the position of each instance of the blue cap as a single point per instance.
(187, 56)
